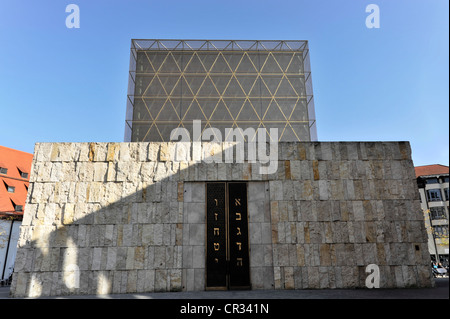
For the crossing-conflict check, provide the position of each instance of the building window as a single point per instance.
(17, 208)
(23, 174)
(440, 231)
(446, 193)
(437, 213)
(444, 179)
(9, 189)
(3, 170)
(434, 195)
(432, 181)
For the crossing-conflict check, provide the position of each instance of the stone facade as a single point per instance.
(124, 217)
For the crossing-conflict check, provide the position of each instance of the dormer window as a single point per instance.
(9, 188)
(3, 170)
(17, 208)
(23, 174)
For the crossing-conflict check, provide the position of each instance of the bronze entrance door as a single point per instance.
(227, 251)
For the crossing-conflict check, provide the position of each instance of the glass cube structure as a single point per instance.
(224, 83)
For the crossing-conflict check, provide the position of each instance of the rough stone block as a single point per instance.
(276, 190)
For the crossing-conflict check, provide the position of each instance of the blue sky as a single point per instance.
(387, 84)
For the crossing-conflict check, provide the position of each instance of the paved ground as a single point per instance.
(441, 291)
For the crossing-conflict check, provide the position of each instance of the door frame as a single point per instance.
(227, 240)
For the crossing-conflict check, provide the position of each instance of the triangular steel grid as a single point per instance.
(232, 78)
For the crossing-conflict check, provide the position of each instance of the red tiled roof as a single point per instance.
(435, 169)
(15, 162)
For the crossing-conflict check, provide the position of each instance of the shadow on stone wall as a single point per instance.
(107, 218)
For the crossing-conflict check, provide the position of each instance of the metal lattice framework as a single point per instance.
(225, 84)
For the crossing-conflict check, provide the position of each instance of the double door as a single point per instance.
(227, 251)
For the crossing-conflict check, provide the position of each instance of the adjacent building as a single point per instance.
(433, 183)
(15, 169)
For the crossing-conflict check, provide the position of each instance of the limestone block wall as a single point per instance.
(260, 236)
(108, 218)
